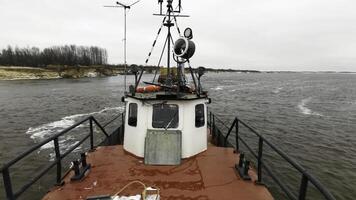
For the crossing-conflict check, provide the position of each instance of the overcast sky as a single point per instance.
(299, 35)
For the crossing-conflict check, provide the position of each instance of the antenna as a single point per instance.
(121, 5)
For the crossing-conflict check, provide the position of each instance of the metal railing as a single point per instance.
(222, 140)
(5, 170)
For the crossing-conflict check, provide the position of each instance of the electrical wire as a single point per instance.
(144, 192)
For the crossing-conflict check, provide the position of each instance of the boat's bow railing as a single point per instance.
(221, 139)
(59, 156)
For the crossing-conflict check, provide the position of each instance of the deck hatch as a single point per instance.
(163, 147)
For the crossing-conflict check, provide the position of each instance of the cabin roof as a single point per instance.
(161, 95)
(209, 175)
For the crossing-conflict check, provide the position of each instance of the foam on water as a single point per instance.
(46, 130)
(277, 90)
(217, 88)
(305, 110)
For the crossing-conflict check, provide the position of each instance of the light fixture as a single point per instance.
(188, 33)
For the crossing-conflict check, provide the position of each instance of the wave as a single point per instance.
(46, 130)
(305, 110)
(277, 90)
(217, 88)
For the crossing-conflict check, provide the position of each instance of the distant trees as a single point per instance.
(57, 55)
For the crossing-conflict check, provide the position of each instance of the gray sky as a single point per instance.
(299, 35)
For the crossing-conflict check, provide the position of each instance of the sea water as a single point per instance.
(310, 116)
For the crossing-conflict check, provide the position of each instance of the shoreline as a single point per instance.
(8, 73)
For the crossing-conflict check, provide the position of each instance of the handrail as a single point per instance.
(113, 119)
(5, 169)
(306, 176)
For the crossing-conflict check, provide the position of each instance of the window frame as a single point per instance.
(201, 123)
(154, 125)
(129, 118)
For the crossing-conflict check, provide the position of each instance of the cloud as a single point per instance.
(255, 34)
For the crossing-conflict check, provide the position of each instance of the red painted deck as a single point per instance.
(207, 176)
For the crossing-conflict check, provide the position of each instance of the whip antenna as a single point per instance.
(125, 7)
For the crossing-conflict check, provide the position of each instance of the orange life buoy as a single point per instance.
(149, 88)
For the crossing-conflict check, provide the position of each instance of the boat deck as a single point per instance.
(207, 176)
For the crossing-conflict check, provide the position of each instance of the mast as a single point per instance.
(169, 25)
(183, 50)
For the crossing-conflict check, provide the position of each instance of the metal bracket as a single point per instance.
(79, 173)
(243, 167)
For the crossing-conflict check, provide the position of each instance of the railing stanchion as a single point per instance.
(259, 160)
(7, 184)
(91, 134)
(213, 135)
(58, 160)
(237, 135)
(303, 188)
(228, 133)
(210, 121)
(122, 122)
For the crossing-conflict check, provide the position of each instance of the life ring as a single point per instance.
(149, 88)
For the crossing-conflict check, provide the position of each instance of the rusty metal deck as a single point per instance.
(207, 176)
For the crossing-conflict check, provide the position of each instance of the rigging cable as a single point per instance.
(175, 20)
(193, 77)
(160, 59)
(155, 41)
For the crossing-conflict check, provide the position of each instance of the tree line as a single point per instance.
(70, 55)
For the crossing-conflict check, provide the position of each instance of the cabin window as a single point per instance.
(132, 120)
(199, 115)
(165, 116)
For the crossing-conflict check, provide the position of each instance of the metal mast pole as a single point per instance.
(125, 62)
(169, 24)
(121, 5)
(169, 46)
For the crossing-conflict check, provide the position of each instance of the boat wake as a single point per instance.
(46, 130)
(305, 110)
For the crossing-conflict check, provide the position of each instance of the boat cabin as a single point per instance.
(156, 123)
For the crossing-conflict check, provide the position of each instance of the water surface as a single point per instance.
(312, 117)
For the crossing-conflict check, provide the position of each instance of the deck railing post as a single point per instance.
(7, 184)
(213, 127)
(210, 121)
(207, 112)
(259, 160)
(237, 134)
(122, 127)
(91, 134)
(58, 160)
(122, 120)
(303, 188)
